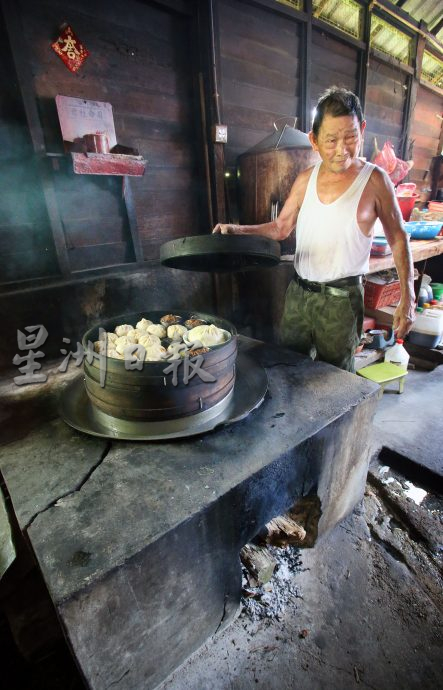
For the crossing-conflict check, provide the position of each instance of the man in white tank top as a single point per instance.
(333, 206)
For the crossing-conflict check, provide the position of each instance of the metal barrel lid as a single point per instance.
(220, 253)
(285, 138)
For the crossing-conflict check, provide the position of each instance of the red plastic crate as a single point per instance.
(377, 295)
(368, 323)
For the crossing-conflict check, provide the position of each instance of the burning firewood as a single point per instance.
(298, 527)
(283, 530)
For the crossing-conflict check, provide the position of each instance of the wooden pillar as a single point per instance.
(305, 70)
(128, 197)
(217, 114)
(414, 85)
(363, 57)
(211, 107)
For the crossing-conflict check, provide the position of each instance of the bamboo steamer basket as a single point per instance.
(150, 394)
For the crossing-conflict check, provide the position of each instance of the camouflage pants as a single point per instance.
(331, 321)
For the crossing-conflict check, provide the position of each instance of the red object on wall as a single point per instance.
(69, 48)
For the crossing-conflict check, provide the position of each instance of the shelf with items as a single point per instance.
(89, 163)
(420, 249)
(89, 136)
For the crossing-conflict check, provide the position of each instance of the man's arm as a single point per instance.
(277, 229)
(389, 213)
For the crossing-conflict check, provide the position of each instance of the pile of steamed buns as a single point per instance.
(172, 338)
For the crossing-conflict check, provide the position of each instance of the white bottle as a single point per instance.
(397, 355)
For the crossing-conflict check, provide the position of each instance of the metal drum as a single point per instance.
(153, 394)
(266, 173)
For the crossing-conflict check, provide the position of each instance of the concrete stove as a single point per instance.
(139, 542)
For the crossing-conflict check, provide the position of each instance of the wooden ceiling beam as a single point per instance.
(437, 27)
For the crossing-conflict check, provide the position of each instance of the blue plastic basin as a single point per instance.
(423, 229)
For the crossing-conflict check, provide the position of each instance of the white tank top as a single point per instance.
(329, 242)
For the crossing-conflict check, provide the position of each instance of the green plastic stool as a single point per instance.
(384, 373)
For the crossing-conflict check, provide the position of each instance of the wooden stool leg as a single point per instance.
(401, 384)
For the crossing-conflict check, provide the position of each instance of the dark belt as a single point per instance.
(311, 286)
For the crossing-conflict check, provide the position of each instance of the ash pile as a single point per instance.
(270, 599)
(270, 563)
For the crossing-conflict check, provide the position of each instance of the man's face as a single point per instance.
(339, 141)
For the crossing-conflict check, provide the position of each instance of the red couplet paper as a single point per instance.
(69, 48)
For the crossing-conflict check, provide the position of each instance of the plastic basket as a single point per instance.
(381, 295)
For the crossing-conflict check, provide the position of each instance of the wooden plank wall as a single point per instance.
(259, 307)
(260, 80)
(139, 62)
(142, 61)
(385, 103)
(425, 134)
(333, 63)
(26, 245)
(94, 223)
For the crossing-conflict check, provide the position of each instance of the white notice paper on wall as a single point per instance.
(79, 117)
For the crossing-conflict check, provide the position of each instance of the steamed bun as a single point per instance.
(207, 335)
(157, 329)
(176, 332)
(155, 353)
(143, 324)
(123, 329)
(149, 340)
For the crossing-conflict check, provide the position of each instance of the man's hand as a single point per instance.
(404, 317)
(225, 229)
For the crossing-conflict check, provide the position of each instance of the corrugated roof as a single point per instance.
(429, 11)
(346, 14)
(385, 36)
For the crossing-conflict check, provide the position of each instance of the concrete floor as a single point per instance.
(367, 603)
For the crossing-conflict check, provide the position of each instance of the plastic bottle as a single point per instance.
(423, 296)
(397, 355)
